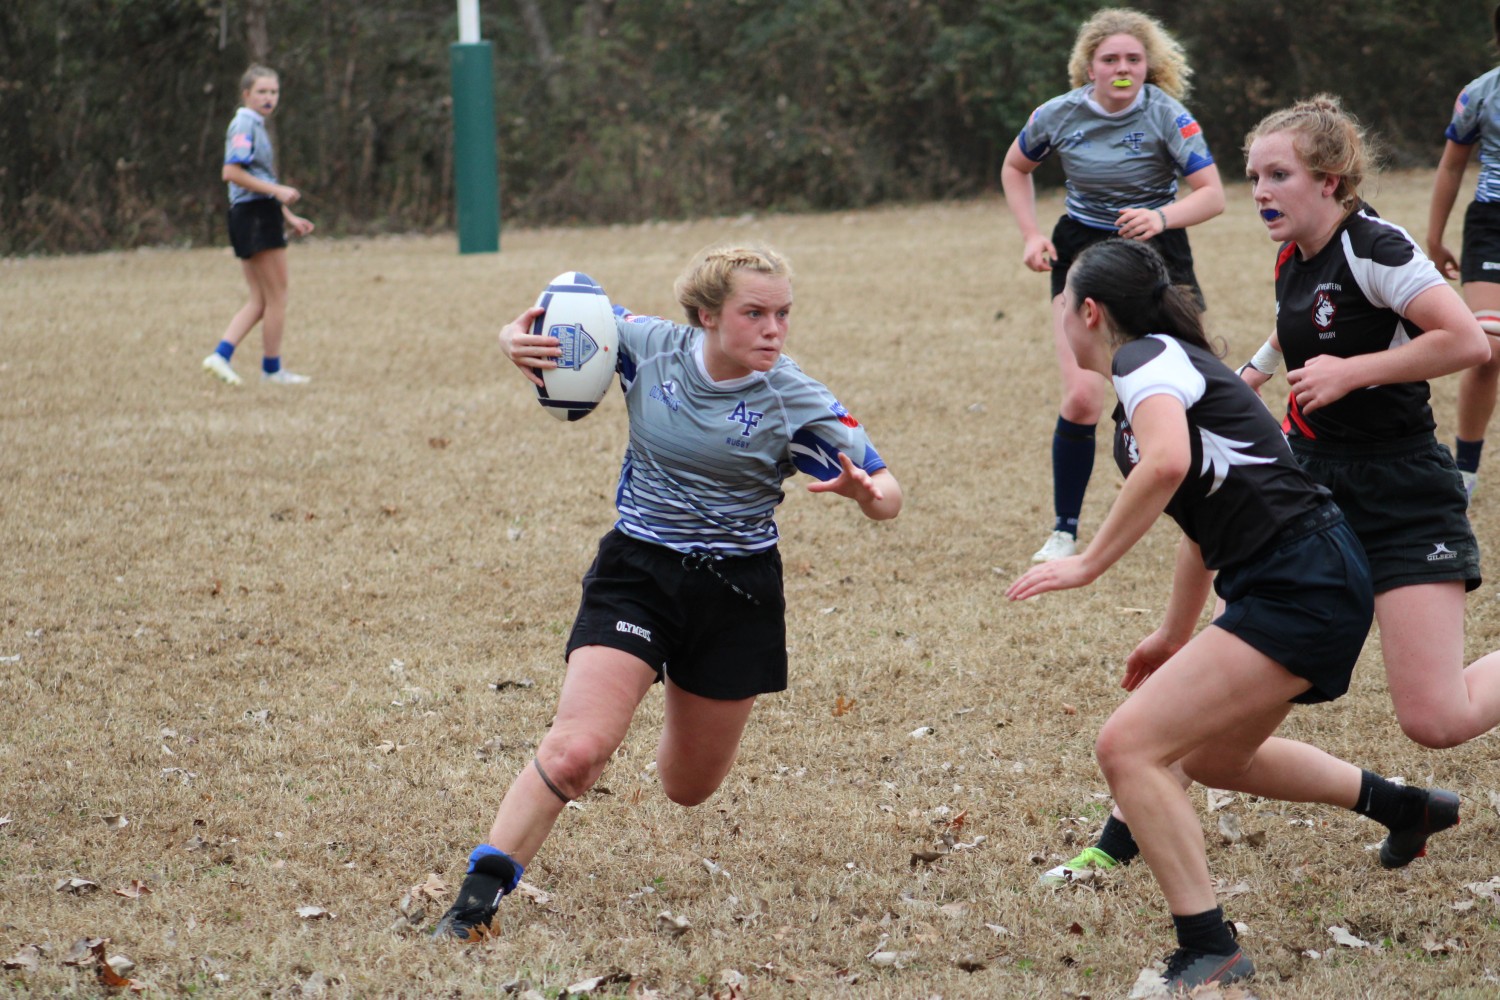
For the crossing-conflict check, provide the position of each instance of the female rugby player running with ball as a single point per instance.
(686, 589)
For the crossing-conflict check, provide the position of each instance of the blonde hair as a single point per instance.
(1166, 63)
(255, 72)
(1330, 142)
(708, 281)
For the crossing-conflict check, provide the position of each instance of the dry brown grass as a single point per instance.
(264, 626)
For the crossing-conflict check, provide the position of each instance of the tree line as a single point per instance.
(112, 112)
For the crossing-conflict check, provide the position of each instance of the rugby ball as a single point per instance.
(579, 315)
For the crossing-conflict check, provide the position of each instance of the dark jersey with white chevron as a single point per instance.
(1243, 484)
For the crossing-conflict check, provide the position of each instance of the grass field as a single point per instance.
(267, 648)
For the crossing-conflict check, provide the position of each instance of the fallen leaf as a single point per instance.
(1489, 890)
(593, 983)
(313, 913)
(970, 964)
(534, 894)
(890, 959)
(1069, 709)
(1218, 798)
(1343, 937)
(135, 890)
(437, 442)
(926, 857)
(77, 886)
(673, 925)
(921, 732)
(1230, 891)
(1149, 985)
(1435, 947)
(1075, 928)
(28, 959)
(433, 887)
(115, 822)
(1229, 828)
(842, 706)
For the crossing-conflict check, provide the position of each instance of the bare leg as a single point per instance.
(1438, 702)
(271, 278)
(255, 306)
(1213, 705)
(600, 693)
(1477, 385)
(698, 743)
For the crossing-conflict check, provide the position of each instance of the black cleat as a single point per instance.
(1401, 847)
(468, 919)
(1187, 969)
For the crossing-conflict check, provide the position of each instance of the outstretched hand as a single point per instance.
(852, 482)
(1059, 574)
(528, 352)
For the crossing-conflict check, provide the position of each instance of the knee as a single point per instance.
(1082, 403)
(687, 794)
(1432, 732)
(1117, 752)
(573, 761)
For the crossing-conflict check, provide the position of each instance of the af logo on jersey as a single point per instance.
(744, 415)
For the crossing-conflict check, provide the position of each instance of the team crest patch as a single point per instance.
(845, 417)
(1186, 126)
(1323, 311)
(1133, 140)
(577, 345)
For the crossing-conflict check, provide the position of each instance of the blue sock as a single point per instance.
(1072, 465)
(487, 851)
(1467, 454)
(225, 350)
(270, 365)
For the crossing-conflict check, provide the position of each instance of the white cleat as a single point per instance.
(1059, 545)
(216, 366)
(284, 377)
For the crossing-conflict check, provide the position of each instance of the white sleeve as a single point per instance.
(1169, 372)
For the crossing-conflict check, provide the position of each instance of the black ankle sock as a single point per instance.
(1206, 932)
(1386, 802)
(1116, 841)
(1466, 454)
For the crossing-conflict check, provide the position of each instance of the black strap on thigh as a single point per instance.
(548, 781)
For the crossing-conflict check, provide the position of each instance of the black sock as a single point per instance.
(1116, 841)
(1206, 932)
(1466, 454)
(1384, 801)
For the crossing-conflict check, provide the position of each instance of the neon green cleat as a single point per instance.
(1091, 857)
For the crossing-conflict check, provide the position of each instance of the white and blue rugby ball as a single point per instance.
(579, 315)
